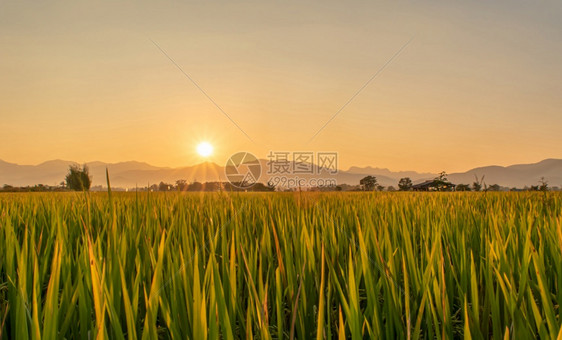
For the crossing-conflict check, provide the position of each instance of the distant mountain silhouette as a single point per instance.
(130, 174)
(123, 174)
(518, 175)
(414, 176)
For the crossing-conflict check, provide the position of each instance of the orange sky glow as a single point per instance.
(479, 83)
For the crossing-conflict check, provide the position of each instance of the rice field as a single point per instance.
(280, 265)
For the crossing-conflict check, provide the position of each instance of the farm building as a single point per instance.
(434, 185)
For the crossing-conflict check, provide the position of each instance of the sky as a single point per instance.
(478, 84)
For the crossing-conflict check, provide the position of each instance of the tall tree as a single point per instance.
(477, 185)
(78, 178)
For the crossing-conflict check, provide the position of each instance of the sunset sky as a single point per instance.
(479, 84)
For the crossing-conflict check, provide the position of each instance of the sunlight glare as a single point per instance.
(204, 149)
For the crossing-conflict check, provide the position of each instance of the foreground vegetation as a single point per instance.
(270, 265)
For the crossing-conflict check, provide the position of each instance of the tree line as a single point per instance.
(79, 178)
(370, 183)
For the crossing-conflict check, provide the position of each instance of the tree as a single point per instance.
(380, 187)
(181, 184)
(368, 183)
(405, 184)
(494, 187)
(543, 184)
(442, 177)
(261, 187)
(164, 186)
(391, 188)
(78, 179)
(195, 186)
(463, 187)
(477, 185)
(440, 182)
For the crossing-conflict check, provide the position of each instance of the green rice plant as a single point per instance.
(280, 265)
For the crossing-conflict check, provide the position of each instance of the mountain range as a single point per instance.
(130, 174)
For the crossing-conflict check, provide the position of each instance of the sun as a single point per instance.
(204, 149)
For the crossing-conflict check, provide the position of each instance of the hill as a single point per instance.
(130, 174)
